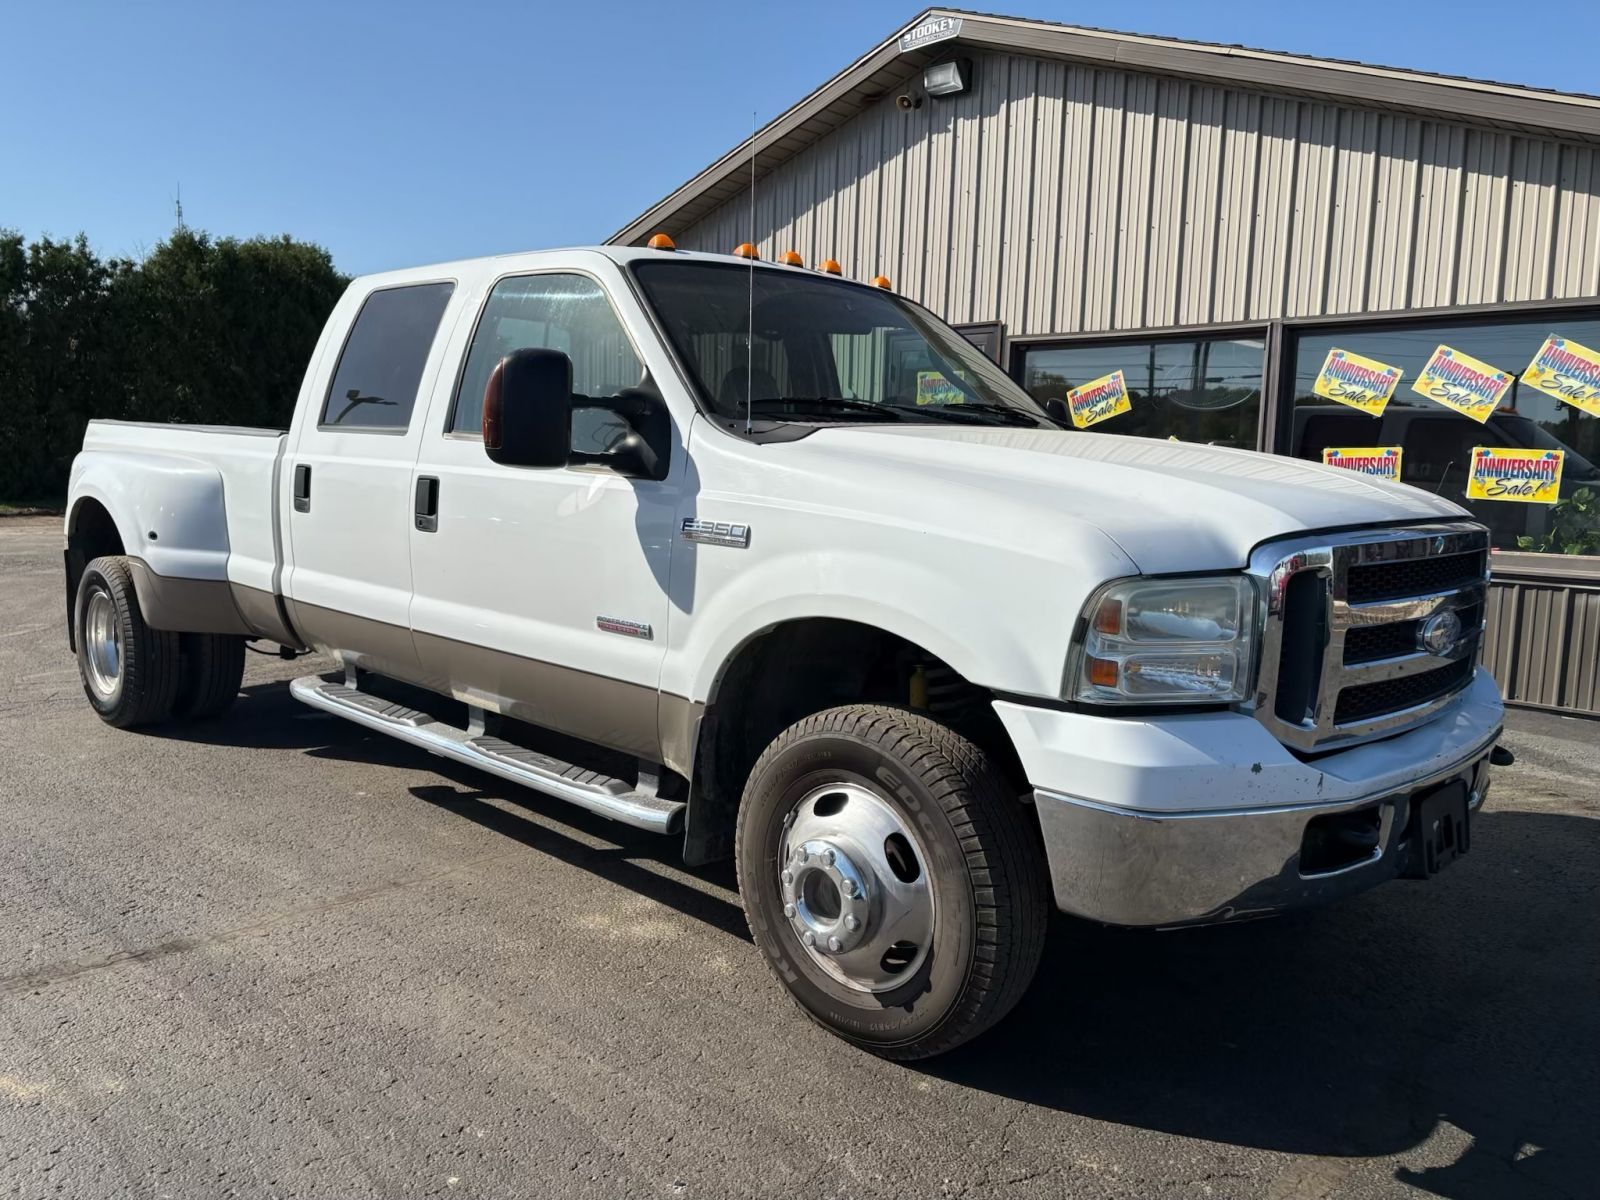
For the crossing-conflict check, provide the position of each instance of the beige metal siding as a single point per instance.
(1061, 197)
(1543, 643)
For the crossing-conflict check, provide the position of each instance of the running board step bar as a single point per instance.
(601, 794)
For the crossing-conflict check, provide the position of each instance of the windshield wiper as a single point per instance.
(824, 406)
(1009, 415)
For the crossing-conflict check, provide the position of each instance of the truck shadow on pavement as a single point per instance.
(1354, 1030)
(1360, 1030)
(266, 717)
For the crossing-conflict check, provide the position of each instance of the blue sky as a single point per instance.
(401, 133)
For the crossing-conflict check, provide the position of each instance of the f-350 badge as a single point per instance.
(716, 533)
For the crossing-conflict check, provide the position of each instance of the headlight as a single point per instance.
(1166, 641)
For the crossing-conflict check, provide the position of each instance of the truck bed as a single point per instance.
(193, 502)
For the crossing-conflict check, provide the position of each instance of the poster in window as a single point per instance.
(1381, 462)
(1363, 383)
(1098, 400)
(1567, 371)
(934, 388)
(1460, 382)
(1527, 476)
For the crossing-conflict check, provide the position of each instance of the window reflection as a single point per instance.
(1200, 390)
(1436, 442)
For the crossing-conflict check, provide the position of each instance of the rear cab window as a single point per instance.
(375, 384)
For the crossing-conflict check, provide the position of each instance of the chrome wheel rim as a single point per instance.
(102, 643)
(856, 887)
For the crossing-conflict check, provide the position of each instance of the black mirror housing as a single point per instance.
(527, 409)
(644, 452)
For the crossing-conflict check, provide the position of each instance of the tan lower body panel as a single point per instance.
(186, 605)
(608, 711)
(207, 606)
(371, 645)
(679, 721)
(261, 613)
(629, 717)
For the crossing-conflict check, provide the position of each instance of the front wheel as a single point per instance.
(891, 879)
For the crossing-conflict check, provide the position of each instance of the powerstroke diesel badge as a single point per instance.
(635, 629)
(716, 533)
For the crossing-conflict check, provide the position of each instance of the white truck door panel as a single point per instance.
(543, 594)
(349, 475)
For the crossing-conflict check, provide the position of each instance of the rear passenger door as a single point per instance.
(349, 475)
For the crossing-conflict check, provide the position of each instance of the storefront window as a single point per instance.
(1206, 390)
(1470, 369)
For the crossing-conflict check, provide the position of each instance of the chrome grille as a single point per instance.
(1342, 653)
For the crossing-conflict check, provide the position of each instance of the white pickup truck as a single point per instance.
(669, 536)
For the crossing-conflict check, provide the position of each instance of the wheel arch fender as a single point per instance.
(169, 509)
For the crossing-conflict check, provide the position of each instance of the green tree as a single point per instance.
(213, 332)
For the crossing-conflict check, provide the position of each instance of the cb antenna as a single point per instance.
(750, 327)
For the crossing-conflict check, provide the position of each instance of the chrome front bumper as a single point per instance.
(1126, 866)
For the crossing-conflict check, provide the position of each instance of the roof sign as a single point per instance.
(934, 29)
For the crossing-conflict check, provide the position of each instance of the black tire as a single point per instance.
(986, 867)
(213, 668)
(149, 663)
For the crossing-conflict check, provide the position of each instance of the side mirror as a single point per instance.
(527, 409)
(630, 432)
(1057, 409)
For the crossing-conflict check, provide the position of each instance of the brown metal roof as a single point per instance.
(1568, 115)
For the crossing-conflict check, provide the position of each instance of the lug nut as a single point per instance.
(788, 911)
(852, 923)
(800, 854)
(827, 858)
(834, 944)
(848, 887)
(809, 938)
(788, 879)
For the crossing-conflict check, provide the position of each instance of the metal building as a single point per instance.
(1215, 222)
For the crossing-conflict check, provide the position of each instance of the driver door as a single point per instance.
(542, 593)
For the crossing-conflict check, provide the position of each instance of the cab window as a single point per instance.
(380, 368)
(565, 312)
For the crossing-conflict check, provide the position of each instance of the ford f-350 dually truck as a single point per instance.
(778, 563)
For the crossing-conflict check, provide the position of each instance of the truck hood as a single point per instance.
(1170, 506)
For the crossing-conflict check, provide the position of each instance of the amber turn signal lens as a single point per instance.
(828, 266)
(791, 258)
(1103, 672)
(881, 281)
(660, 241)
(1108, 617)
(745, 250)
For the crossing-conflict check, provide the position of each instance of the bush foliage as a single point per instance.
(215, 332)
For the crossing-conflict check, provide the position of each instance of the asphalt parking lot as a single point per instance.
(276, 955)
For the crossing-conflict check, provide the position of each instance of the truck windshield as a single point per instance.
(820, 350)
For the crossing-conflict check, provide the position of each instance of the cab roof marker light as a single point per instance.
(883, 282)
(791, 258)
(746, 250)
(829, 266)
(660, 241)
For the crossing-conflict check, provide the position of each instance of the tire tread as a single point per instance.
(1004, 862)
(213, 668)
(151, 659)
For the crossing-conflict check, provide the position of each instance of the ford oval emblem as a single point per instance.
(1439, 632)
